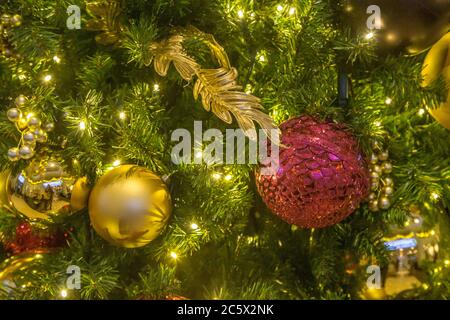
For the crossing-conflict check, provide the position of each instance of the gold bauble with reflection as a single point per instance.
(4, 176)
(17, 263)
(129, 206)
(45, 189)
(437, 64)
(374, 294)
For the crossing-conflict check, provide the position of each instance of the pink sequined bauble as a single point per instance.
(321, 178)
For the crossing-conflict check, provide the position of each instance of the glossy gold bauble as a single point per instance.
(436, 64)
(388, 190)
(387, 167)
(129, 206)
(29, 138)
(80, 194)
(18, 263)
(374, 294)
(22, 123)
(44, 189)
(13, 114)
(373, 205)
(16, 20)
(384, 203)
(13, 154)
(49, 127)
(34, 123)
(388, 181)
(383, 156)
(20, 100)
(26, 152)
(4, 177)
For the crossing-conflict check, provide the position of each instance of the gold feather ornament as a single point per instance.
(217, 88)
(171, 51)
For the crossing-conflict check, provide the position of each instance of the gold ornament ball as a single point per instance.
(4, 177)
(388, 181)
(374, 294)
(387, 167)
(374, 175)
(43, 189)
(80, 194)
(16, 20)
(383, 156)
(49, 127)
(26, 152)
(373, 205)
(20, 100)
(384, 203)
(129, 206)
(29, 138)
(34, 122)
(436, 65)
(19, 262)
(22, 123)
(388, 190)
(13, 114)
(41, 135)
(376, 168)
(13, 154)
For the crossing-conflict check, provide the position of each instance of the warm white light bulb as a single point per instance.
(194, 226)
(48, 78)
(388, 101)
(82, 125)
(174, 255)
(122, 115)
(198, 154)
(64, 293)
(156, 87)
(216, 176)
(369, 35)
(57, 59)
(421, 112)
(228, 177)
(280, 7)
(291, 11)
(435, 196)
(116, 163)
(240, 14)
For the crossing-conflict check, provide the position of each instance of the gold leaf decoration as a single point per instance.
(171, 50)
(106, 20)
(217, 88)
(216, 49)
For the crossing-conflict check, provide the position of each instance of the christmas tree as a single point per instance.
(107, 192)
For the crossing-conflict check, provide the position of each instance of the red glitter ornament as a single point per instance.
(27, 239)
(322, 176)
